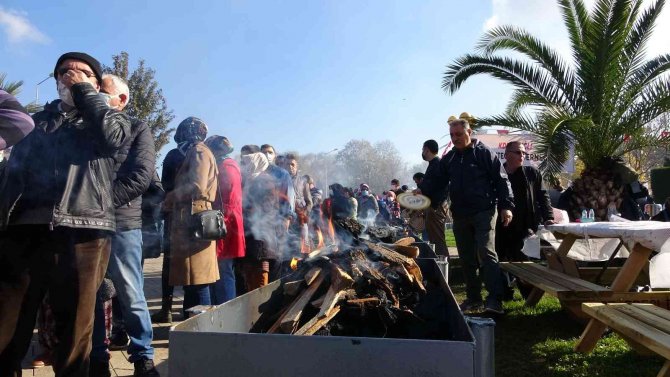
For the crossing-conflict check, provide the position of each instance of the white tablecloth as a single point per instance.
(651, 234)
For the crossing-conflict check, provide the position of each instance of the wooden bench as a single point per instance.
(561, 285)
(642, 325)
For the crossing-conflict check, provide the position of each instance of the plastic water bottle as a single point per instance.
(585, 217)
(592, 216)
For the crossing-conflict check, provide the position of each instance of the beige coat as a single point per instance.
(192, 262)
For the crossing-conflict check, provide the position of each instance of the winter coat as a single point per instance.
(152, 224)
(192, 261)
(537, 198)
(263, 218)
(477, 180)
(64, 169)
(433, 185)
(136, 162)
(230, 187)
(367, 207)
(171, 164)
(15, 123)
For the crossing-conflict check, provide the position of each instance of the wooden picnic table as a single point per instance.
(640, 237)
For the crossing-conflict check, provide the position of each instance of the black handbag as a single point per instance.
(208, 225)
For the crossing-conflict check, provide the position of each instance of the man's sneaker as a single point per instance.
(470, 304)
(98, 368)
(145, 367)
(494, 306)
(118, 341)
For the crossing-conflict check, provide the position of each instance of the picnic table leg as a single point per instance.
(534, 296)
(665, 371)
(565, 246)
(622, 283)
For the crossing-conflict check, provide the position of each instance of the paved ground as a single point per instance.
(119, 361)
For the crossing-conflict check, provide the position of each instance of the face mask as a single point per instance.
(365, 192)
(107, 98)
(65, 94)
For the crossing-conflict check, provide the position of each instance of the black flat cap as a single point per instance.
(86, 58)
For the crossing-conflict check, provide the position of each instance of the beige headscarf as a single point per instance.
(254, 164)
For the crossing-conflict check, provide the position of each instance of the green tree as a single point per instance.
(14, 88)
(600, 101)
(147, 102)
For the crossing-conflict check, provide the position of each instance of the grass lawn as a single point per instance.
(449, 236)
(537, 342)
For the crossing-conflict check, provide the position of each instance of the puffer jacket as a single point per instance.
(136, 162)
(477, 180)
(66, 165)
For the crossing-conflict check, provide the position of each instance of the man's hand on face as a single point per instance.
(506, 216)
(73, 76)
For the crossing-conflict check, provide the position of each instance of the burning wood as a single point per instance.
(369, 287)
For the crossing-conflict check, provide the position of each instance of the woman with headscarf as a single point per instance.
(263, 223)
(193, 262)
(230, 203)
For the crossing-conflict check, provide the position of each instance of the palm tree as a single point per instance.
(599, 101)
(14, 88)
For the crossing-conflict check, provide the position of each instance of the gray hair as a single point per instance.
(120, 85)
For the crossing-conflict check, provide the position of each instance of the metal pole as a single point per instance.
(327, 187)
(37, 88)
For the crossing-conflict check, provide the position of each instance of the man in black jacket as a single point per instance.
(531, 208)
(433, 186)
(136, 162)
(57, 218)
(477, 185)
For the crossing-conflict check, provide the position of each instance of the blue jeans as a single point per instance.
(223, 290)
(195, 295)
(125, 271)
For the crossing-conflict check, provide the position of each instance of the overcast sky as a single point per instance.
(302, 75)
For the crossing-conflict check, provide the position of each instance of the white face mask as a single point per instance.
(107, 98)
(65, 94)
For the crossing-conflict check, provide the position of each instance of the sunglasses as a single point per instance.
(519, 153)
(62, 71)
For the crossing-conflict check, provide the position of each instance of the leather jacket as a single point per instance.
(65, 167)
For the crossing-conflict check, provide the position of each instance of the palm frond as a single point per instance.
(602, 74)
(576, 19)
(11, 87)
(516, 39)
(520, 74)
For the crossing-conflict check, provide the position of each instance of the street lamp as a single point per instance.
(37, 88)
(326, 154)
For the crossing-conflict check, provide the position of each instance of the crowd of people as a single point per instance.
(82, 206)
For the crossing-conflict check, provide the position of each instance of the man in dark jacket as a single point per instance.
(531, 208)
(477, 185)
(57, 218)
(432, 185)
(136, 162)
